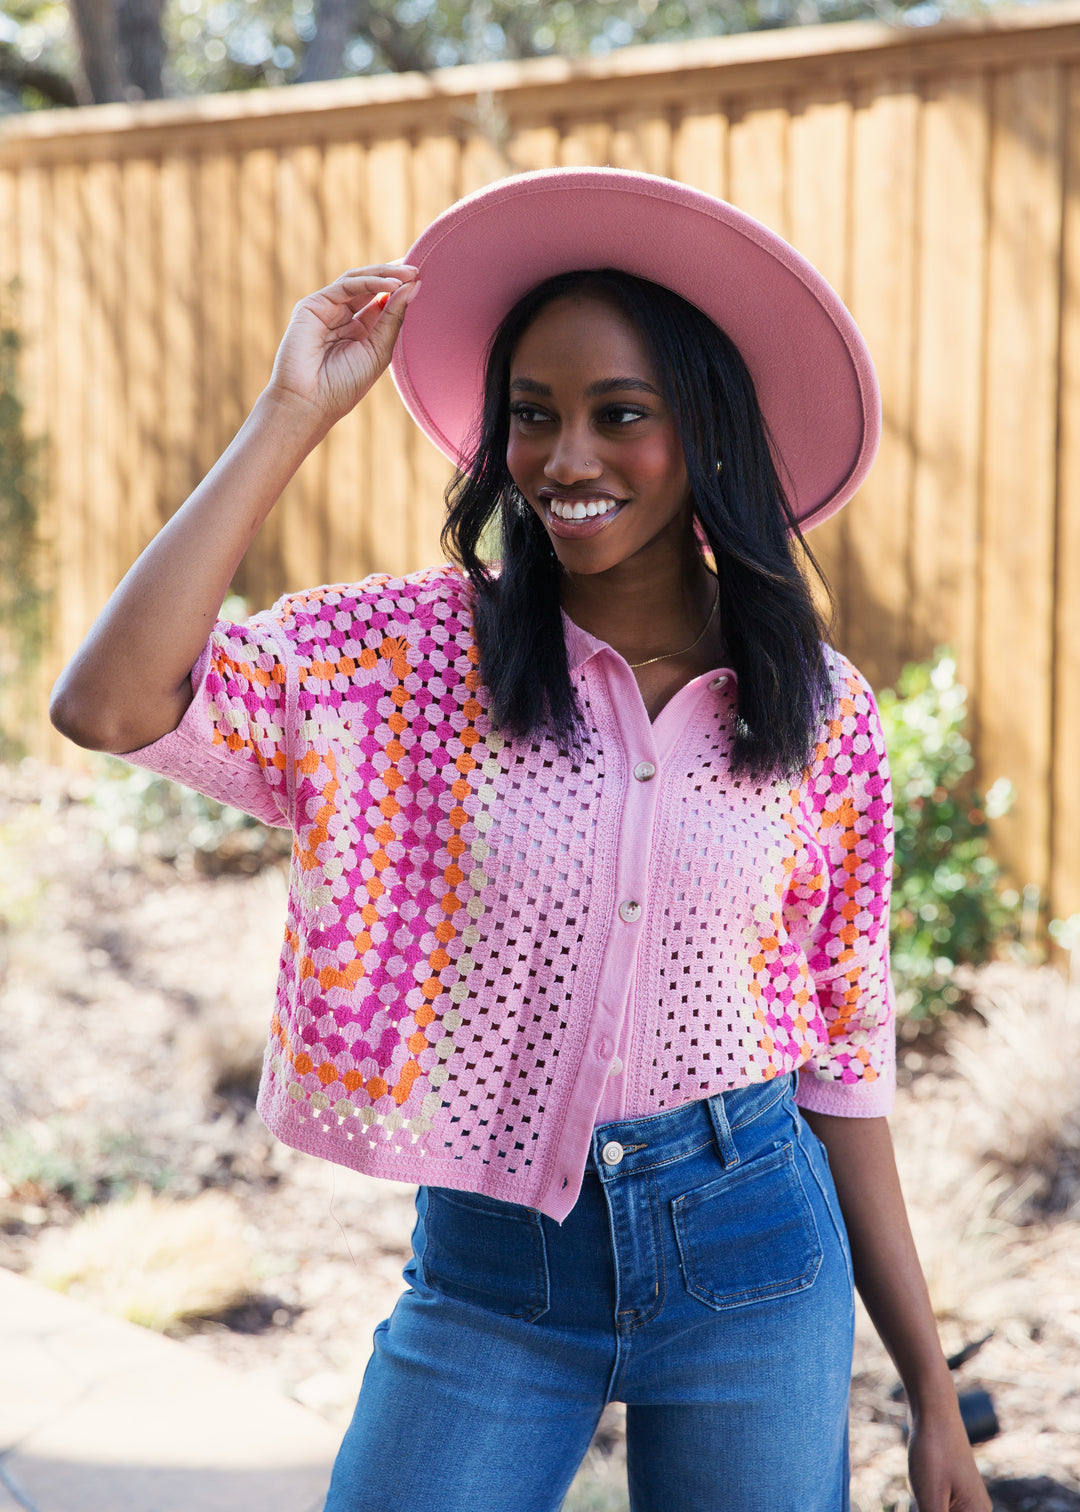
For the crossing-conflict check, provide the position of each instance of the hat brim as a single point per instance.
(812, 372)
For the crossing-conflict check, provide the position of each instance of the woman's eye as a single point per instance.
(527, 414)
(622, 414)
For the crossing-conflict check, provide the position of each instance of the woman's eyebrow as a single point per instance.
(601, 386)
(611, 385)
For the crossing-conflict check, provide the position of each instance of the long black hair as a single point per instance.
(772, 629)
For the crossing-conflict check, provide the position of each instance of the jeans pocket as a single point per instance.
(480, 1250)
(749, 1235)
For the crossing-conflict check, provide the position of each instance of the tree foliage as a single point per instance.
(92, 51)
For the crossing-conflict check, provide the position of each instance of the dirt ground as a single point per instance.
(134, 995)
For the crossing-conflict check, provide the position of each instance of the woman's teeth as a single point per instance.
(581, 509)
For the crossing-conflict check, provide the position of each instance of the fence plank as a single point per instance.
(641, 139)
(390, 492)
(534, 144)
(301, 239)
(33, 266)
(262, 574)
(103, 503)
(819, 209)
(435, 181)
(882, 301)
(181, 328)
(9, 228)
(219, 234)
(699, 145)
(343, 167)
(586, 142)
(757, 162)
(949, 343)
(1018, 506)
(69, 379)
(1065, 825)
(483, 150)
(141, 395)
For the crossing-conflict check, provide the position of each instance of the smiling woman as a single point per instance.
(588, 922)
(609, 390)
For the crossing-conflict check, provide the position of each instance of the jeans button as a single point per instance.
(612, 1152)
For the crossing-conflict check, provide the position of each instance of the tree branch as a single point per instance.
(325, 56)
(96, 30)
(17, 73)
(142, 47)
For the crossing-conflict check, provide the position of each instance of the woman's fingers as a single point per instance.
(358, 286)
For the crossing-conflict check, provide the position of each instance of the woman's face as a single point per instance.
(593, 446)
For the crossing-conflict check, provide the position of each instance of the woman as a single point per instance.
(587, 931)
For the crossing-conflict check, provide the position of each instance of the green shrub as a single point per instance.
(949, 906)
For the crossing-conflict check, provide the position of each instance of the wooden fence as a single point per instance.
(933, 176)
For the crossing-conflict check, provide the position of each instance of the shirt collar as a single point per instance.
(580, 645)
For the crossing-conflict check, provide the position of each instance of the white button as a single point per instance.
(629, 912)
(719, 682)
(644, 770)
(616, 1067)
(612, 1152)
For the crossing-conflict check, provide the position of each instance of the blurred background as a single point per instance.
(172, 178)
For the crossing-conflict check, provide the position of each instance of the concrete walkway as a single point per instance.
(98, 1415)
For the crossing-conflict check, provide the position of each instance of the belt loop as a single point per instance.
(725, 1144)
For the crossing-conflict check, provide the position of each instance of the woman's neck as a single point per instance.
(644, 609)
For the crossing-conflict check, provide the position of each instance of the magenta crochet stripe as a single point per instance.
(454, 960)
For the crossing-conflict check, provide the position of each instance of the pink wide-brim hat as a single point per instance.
(814, 378)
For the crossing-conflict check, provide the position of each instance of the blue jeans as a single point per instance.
(703, 1278)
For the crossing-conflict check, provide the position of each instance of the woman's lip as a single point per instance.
(579, 530)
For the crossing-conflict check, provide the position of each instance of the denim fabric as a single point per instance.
(703, 1278)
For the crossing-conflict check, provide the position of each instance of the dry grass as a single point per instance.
(1024, 1107)
(153, 1260)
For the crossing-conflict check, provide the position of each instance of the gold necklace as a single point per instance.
(669, 654)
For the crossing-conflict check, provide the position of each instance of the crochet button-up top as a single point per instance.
(490, 942)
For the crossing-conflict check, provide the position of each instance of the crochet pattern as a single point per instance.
(454, 944)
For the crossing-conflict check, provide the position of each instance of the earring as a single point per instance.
(719, 467)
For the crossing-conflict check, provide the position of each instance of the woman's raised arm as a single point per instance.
(128, 684)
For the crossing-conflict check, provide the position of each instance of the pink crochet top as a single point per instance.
(489, 943)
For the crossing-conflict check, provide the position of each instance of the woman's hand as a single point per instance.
(340, 340)
(942, 1467)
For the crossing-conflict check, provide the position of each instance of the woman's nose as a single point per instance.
(569, 460)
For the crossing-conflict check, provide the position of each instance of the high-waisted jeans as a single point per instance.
(703, 1278)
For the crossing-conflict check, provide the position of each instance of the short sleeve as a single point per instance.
(850, 802)
(231, 743)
